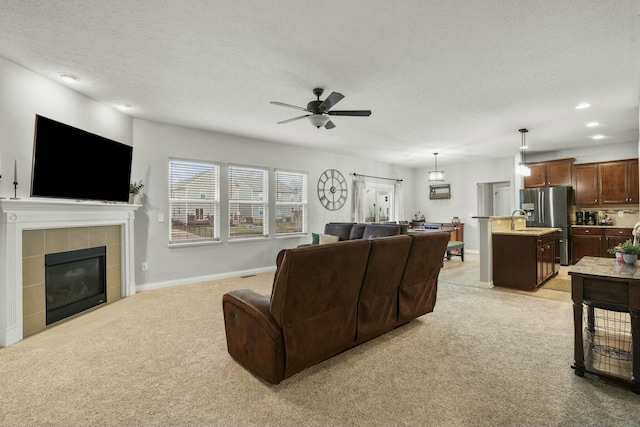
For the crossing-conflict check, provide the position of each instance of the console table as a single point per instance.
(606, 284)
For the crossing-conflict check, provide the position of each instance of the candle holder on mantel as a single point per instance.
(1, 198)
(15, 191)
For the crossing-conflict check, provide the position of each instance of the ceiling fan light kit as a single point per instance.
(320, 110)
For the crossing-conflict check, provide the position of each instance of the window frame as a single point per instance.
(237, 218)
(302, 205)
(199, 219)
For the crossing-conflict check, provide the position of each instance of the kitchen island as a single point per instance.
(523, 258)
(608, 285)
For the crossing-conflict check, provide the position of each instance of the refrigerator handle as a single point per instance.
(542, 211)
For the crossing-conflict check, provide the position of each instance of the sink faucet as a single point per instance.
(513, 221)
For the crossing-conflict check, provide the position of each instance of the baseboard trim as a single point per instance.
(197, 279)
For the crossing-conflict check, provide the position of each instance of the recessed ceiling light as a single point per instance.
(598, 137)
(123, 106)
(583, 106)
(69, 78)
(592, 124)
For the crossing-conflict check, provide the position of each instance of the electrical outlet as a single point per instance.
(160, 217)
(620, 214)
(145, 266)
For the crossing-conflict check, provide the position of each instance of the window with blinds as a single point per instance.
(291, 203)
(194, 201)
(248, 202)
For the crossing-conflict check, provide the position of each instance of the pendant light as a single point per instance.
(436, 175)
(522, 168)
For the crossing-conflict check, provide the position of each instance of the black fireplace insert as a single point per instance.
(75, 281)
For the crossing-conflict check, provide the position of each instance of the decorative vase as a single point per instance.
(630, 258)
(132, 199)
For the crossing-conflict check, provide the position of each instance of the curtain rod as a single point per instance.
(377, 177)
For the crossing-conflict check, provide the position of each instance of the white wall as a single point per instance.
(463, 178)
(23, 94)
(155, 143)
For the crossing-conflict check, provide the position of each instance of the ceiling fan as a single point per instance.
(320, 110)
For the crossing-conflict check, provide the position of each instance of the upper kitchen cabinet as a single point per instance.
(619, 182)
(607, 183)
(586, 184)
(549, 174)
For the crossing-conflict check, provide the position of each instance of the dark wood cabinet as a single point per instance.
(586, 184)
(613, 237)
(619, 182)
(550, 174)
(523, 261)
(545, 258)
(594, 241)
(607, 183)
(586, 242)
(538, 177)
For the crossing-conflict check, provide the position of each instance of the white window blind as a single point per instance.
(248, 202)
(194, 201)
(291, 203)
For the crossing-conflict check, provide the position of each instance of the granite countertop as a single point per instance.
(600, 226)
(529, 231)
(605, 267)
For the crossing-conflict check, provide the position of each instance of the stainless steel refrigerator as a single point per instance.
(549, 207)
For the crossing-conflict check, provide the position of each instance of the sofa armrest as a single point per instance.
(254, 339)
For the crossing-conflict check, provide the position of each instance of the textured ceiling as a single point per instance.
(454, 77)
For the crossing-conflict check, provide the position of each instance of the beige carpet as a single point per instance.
(483, 358)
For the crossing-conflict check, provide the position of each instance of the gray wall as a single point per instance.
(155, 143)
(23, 94)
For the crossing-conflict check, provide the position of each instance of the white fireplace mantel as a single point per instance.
(33, 213)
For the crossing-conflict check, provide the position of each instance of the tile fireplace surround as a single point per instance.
(42, 214)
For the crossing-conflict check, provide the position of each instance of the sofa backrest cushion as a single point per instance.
(378, 304)
(419, 285)
(372, 231)
(315, 298)
(357, 231)
(340, 229)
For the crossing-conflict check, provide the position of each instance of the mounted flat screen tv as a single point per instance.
(71, 163)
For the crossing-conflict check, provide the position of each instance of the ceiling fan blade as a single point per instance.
(363, 113)
(329, 125)
(295, 118)
(282, 104)
(331, 100)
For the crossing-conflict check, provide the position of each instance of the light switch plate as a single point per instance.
(620, 214)
(160, 217)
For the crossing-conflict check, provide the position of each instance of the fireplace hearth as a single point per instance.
(75, 281)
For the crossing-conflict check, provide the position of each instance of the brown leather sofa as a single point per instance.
(328, 298)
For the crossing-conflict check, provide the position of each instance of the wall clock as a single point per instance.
(332, 189)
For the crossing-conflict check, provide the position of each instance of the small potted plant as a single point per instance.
(617, 250)
(134, 189)
(630, 251)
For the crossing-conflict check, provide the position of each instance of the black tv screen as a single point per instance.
(72, 163)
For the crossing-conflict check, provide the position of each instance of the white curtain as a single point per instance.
(398, 202)
(359, 193)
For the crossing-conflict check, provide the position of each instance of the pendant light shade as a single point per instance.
(436, 175)
(522, 168)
